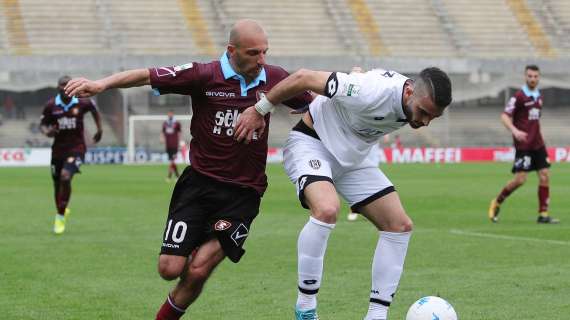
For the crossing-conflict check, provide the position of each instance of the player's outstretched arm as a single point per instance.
(251, 119)
(83, 88)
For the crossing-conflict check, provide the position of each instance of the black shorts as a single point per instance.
(202, 208)
(530, 160)
(171, 153)
(71, 163)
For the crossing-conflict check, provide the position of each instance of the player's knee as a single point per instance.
(400, 225)
(519, 181)
(543, 178)
(326, 212)
(65, 176)
(199, 273)
(169, 269)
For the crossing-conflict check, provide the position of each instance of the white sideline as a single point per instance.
(498, 236)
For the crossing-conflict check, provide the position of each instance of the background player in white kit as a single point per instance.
(325, 152)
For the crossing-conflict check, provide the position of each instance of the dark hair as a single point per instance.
(438, 84)
(532, 67)
(63, 79)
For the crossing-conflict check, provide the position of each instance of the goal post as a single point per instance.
(144, 131)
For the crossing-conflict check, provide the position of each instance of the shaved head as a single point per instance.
(243, 30)
(247, 48)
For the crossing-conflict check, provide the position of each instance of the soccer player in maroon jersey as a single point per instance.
(170, 136)
(521, 117)
(216, 198)
(62, 119)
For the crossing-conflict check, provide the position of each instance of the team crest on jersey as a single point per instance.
(315, 164)
(75, 111)
(222, 225)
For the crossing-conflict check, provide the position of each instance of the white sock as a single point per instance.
(311, 248)
(387, 268)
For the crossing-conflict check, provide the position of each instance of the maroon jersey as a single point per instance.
(68, 119)
(525, 110)
(219, 95)
(171, 130)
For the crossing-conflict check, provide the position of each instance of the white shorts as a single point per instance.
(305, 156)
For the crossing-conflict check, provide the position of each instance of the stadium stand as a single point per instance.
(295, 28)
(158, 27)
(60, 27)
(410, 32)
(483, 44)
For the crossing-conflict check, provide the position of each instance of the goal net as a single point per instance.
(144, 143)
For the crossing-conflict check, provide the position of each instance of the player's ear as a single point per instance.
(231, 49)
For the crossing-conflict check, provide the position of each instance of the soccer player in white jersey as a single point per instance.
(326, 152)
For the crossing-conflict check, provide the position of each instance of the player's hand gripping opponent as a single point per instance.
(249, 122)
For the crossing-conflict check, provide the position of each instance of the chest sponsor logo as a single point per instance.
(222, 225)
(534, 114)
(220, 94)
(67, 123)
(225, 122)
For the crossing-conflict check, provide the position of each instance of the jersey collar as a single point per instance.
(531, 93)
(59, 102)
(229, 72)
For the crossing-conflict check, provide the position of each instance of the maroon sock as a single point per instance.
(168, 311)
(175, 169)
(543, 198)
(63, 196)
(504, 194)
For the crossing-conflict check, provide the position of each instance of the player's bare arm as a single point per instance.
(48, 131)
(83, 88)
(97, 119)
(251, 119)
(508, 123)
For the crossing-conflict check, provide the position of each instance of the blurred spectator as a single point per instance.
(8, 107)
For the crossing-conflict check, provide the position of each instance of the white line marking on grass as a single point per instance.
(498, 236)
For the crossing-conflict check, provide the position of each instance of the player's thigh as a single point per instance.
(309, 165)
(71, 166)
(207, 257)
(186, 226)
(321, 197)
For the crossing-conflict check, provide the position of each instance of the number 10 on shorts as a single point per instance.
(178, 231)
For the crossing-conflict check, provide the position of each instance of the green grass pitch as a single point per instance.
(104, 266)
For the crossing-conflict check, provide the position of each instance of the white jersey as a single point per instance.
(358, 110)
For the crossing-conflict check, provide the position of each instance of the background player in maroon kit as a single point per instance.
(521, 117)
(170, 135)
(216, 198)
(62, 119)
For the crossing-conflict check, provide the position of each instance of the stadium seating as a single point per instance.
(435, 28)
(294, 28)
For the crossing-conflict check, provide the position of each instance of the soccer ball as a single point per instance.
(431, 308)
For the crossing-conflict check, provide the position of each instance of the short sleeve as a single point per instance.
(46, 118)
(354, 91)
(180, 79)
(91, 105)
(511, 106)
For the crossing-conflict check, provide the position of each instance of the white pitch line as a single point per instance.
(498, 236)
